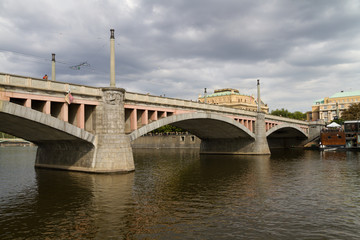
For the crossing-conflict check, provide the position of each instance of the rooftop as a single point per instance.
(346, 94)
(339, 95)
(320, 101)
(225, 92)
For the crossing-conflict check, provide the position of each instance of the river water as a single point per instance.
(178, 194)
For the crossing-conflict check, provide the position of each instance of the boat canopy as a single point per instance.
(333, 125)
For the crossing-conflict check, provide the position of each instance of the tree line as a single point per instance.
(285, 113)
(352, 113)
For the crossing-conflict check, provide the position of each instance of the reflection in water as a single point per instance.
(61, 204)
(180, 194)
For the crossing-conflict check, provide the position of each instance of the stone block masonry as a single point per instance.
(111, 150)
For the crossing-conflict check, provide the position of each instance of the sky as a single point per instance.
(301, 51)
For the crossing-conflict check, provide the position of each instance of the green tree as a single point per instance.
(298, 115)
(285, 113)
(5, 135)
(281, 112)
(352, 113)
(167, 129)
(339, 121)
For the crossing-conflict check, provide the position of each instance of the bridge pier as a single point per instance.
(261, 145)
(111, 150)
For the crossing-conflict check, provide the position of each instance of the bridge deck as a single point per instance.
(140, 109)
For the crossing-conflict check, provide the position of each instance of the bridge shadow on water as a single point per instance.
(64, 205)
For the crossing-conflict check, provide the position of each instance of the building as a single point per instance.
(329, 108)
(230, 97)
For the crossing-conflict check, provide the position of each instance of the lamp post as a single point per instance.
(258, 96)
(112, 58)
(53, 77)
(205, 95)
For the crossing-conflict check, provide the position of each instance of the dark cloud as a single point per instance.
(301, 50)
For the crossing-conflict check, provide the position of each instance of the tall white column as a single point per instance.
(53, 77)
(258, 96)
(112, 59)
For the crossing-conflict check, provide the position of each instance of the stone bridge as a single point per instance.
(89, 129)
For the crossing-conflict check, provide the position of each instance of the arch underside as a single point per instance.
(285, 136)
(203, 125)
(218, 134)
(38, 127)
(211, 129)
(60, 145)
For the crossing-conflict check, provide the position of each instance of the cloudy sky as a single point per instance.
(300, 50)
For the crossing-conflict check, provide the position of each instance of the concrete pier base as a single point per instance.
(261, 144)
(111, 150)
(65, 155)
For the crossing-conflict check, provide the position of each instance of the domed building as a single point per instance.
(230, 97)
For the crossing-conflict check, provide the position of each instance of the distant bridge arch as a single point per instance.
(286, 130)
(286, 135)
(203, 125)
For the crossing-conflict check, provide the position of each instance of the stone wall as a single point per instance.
(167, 141)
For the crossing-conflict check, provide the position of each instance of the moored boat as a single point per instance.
(332, 139)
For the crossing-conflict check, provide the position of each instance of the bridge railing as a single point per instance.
(41, 84)
(184, 104)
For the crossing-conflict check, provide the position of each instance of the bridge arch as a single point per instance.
(38, 127)
(286, 130)
(285, 135)
(203, 125)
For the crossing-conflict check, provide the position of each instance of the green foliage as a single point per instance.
(352, 113)
(280, 112)
(285, 113)
(5, 135)
(168, 129)
(339, 121)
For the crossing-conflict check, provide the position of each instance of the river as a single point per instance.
(178, 194)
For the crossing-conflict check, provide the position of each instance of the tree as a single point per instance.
(298, 115)
(352, 113)
(285, 113)
(168, 129)
(281, 113)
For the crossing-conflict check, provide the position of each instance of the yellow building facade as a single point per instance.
(329, 108)
(230, 97)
